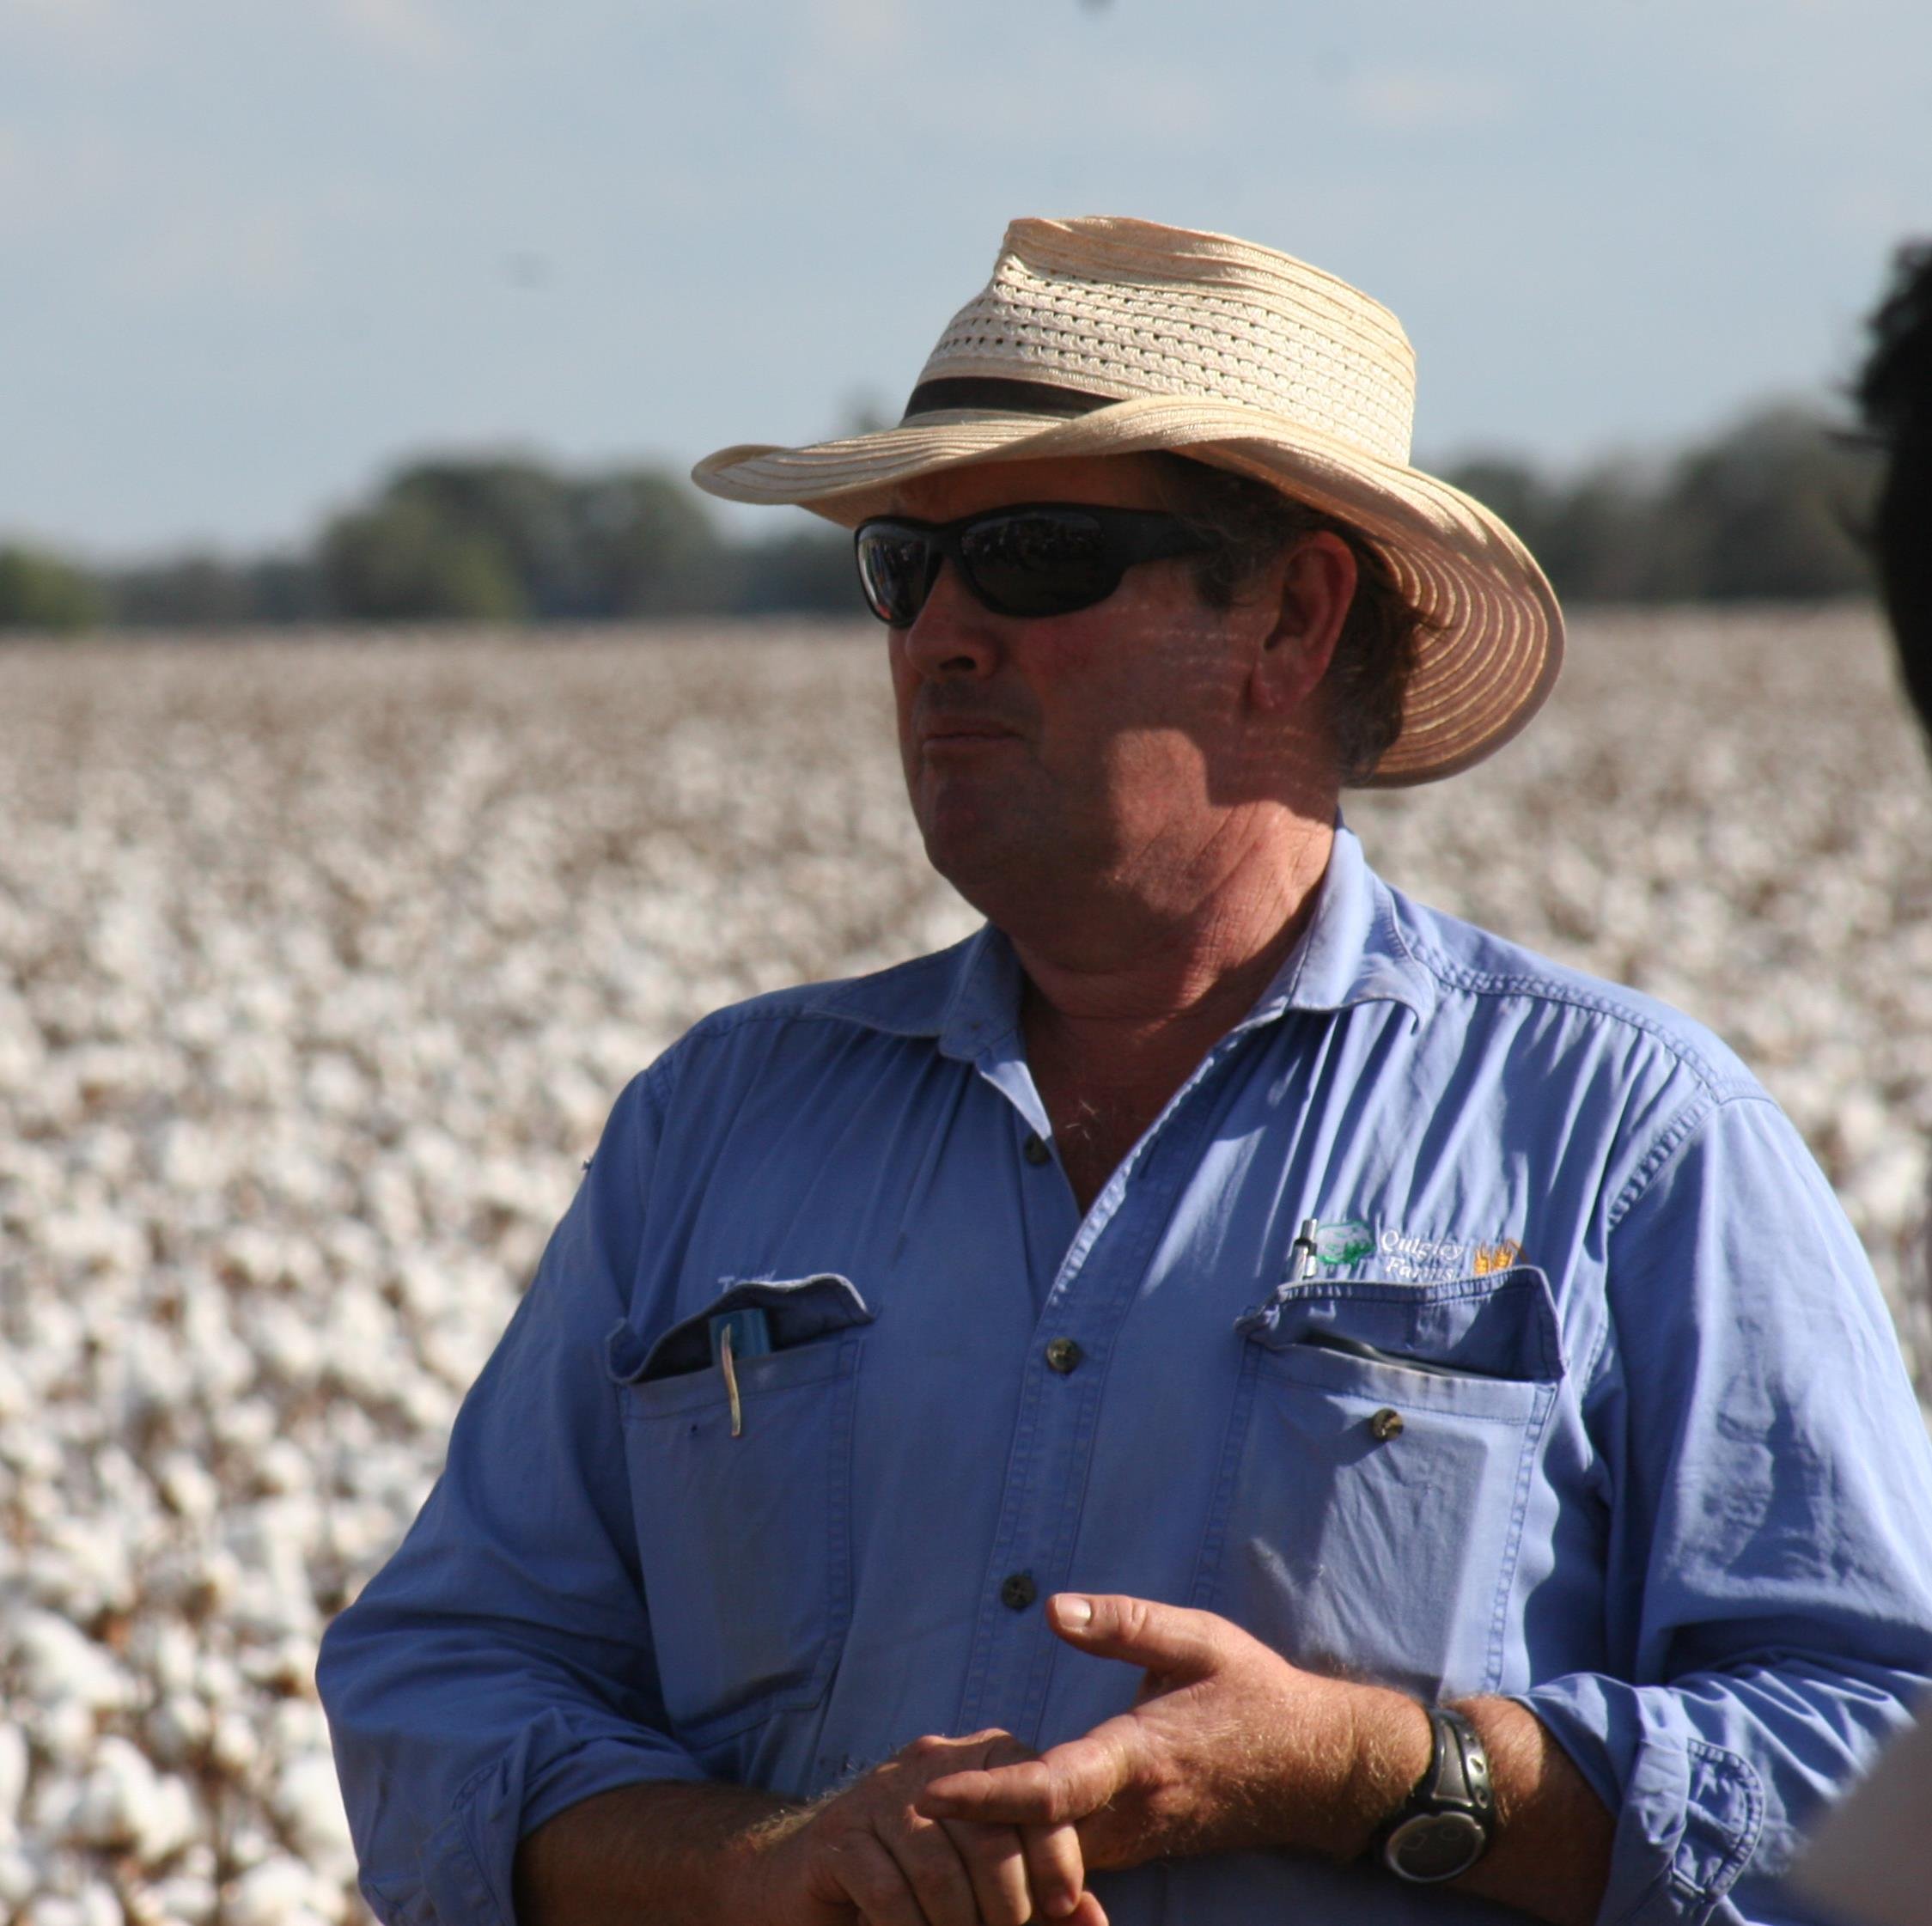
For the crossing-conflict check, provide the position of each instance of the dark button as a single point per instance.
(1034, 1148)
(1018, 1591)
(1384, 1424)
(1065, 1355)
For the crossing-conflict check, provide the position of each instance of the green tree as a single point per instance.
(808, 572)
(1770, 511)
(39, 590)
(647, 547)
(408, 559)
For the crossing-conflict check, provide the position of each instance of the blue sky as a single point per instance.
(251, 254)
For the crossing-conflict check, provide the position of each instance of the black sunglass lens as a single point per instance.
(1040, 564)
(896, 568)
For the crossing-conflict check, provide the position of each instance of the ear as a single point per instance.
(1313, 589)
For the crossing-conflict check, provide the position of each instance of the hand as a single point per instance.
(1227, 1748)
(868, 1853)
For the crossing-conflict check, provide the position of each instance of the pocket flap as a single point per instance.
(1503, 1325)
(798, 1309)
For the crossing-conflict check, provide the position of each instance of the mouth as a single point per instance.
(963, 732)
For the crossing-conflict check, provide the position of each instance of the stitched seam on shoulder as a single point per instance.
(1684, 1125)
(1551, 989)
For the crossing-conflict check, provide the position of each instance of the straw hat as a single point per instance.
(1109, 337)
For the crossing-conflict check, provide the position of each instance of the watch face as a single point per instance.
(1436, 1846)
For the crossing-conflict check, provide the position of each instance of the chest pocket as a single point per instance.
(744, 1535)
(1373, 1485)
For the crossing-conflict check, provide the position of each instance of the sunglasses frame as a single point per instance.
(1130, 536)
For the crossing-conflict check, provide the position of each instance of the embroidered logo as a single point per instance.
(1403, 1257)
(1347, 1242)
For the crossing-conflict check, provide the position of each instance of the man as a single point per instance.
(1872, 1859)
(1227, 1397)
(1894, 394)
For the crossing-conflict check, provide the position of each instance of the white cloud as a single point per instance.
(51, 181)
(870, 30)
(1417, 100)
(200, 252)
(99, 35)
(410, 31)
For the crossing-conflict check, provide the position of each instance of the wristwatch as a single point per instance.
(1444, 1827)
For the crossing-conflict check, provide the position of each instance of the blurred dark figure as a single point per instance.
(1871, 1859)
(1894, 393)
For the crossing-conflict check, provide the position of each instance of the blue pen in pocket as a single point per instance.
(736, 1334)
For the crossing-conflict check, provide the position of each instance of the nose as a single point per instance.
(953, 633)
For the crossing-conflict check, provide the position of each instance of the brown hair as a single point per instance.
(1251, 523)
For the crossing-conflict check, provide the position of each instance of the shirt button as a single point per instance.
(1065, 1355)
(1384, 1424)
(1018, 1591)
(1034, 1149)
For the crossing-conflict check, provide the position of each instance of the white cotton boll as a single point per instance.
(64, 1730)
(187, 1486)
(18, 1876)
(278, 1892)
(217, 1681)
(308, 1800)
(16, 1396)
(289, 1665)
(167, 1823)
(189, 1897)
(1888, 1189)
(59, 1662)
(283, 1466)
(296, 1728)
(100, 1905)
(233, 1746)
(115, 1797)
(14, 1764)
(178, 1729)
(55, 1909)
(80, 1571)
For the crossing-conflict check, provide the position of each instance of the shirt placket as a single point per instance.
(1063, 1387)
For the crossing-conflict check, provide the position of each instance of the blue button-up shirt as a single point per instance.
(1659, 1475)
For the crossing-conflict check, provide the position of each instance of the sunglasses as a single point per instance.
(1035, 559)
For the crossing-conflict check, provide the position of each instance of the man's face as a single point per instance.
(1050, 755)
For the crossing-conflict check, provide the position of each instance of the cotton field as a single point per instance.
(320, 962)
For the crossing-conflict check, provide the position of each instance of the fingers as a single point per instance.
(898, 1866)
(1049, 1866)
(1056, 1873)
(941, 1885)
(995, 1864)
(1088, 1912)
(1167, 1639)
(1058, 1789)
(872, 1879)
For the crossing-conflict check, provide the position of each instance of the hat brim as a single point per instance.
(1493, 640)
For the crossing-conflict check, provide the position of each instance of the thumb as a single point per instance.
(1164, 1639)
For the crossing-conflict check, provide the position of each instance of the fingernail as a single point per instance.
(1073, 1611)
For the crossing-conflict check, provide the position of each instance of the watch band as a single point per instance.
(1444, 1827)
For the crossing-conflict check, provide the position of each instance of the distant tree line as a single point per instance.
(1772, 509)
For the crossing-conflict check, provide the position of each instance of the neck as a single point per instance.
(1120, 1006)
(1121, 972)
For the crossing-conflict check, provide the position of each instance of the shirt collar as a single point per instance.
(968, 997)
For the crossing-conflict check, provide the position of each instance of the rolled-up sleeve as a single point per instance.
(500, 1668)
(1769, 1598)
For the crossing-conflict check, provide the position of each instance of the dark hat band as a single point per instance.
(1002, 397)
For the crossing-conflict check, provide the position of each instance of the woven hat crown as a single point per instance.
(1104, 337)
(1119, 309)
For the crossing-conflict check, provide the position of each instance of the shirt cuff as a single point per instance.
(555, 1763)
(1690, 1816)
(1688, 1813)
